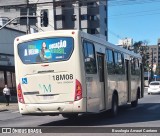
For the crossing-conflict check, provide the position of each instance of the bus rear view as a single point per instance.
(48, 73)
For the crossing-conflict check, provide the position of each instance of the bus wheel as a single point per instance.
(134, 103)
(114, 109)
(70, 116)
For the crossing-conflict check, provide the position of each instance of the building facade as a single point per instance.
(126, 42)
(153, 56)
(158, 43)
(90, 17)
(7, 70)
(8, 13)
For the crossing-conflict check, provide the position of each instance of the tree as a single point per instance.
(137, 46)
(142, 48)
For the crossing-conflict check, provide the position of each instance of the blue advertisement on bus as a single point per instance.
(46, 50)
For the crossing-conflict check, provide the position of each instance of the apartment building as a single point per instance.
(153, 56)
(125, 43)
(158, 43)
(89, 16)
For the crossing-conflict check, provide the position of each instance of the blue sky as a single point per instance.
(138, 21)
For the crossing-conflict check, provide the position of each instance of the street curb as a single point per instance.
(11, 107)
(3, 110)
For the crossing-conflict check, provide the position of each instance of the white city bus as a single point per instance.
(70, 72)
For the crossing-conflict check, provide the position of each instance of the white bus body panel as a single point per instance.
(51, 86)
(48, 91)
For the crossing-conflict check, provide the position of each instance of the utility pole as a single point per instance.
(152, 66)
(28, 26)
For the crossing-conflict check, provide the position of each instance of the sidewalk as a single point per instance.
(13, 106)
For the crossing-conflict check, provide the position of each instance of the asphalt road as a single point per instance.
(146, 114)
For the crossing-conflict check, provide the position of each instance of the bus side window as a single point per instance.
(110, 61)
(135, 69)
(119, 66)
(89, 56)
(116, 62)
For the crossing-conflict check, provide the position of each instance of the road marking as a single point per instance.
(153, 107)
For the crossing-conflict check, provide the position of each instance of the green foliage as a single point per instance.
(141, 47)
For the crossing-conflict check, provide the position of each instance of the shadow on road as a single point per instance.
(142, 113)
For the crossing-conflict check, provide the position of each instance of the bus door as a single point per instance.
(100, 59)
(128, 79)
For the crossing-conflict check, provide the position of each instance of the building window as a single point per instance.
(84, 30)
(91, 3)
(105, 20)
(6, 9)
(93, 18)
(93, 31)
(9, 79)
(17, 9)
(84, 17)
(105, 8)
(59, 17)
(105, 33)
(62, 5)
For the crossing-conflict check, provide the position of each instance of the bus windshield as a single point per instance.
(46, 50)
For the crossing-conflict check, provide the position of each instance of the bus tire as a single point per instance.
(114, 109)
(135, 103)
(70, 115)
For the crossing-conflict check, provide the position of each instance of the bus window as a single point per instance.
(90, 61)
(135, 69)
(46, 50)
(110, 61)
(118, 63)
